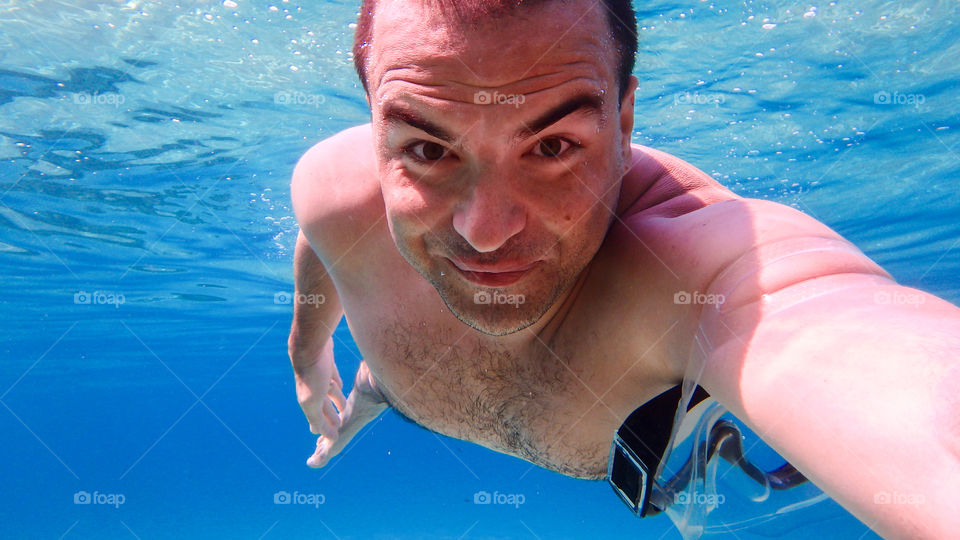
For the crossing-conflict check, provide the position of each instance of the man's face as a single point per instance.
(500, 151)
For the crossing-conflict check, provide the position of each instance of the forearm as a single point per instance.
(861, 397)
(316, 306)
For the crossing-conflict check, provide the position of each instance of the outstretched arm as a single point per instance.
(853, 378)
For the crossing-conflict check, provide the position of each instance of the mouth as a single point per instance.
(500, 274)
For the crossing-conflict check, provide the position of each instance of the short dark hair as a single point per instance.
(620, 18)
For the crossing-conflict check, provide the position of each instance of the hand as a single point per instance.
(319, 388)
(364, 404)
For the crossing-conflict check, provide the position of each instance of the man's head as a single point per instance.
(621, 25)
(502, 131)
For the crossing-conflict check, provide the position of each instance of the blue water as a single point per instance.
(145, 155)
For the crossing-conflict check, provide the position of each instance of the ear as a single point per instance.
(626, 122)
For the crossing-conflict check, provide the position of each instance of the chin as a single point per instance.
(499, 321)
(496, 312)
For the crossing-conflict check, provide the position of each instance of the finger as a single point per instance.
(335, 377)
(320, 424)
(314, 414)
(336, 394)
(333, 417)
(312, 420)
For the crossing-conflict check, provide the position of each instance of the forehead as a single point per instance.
(416, 42)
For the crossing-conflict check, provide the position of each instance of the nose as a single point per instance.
(490, 216)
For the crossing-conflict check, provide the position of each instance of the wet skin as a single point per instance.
(402, 210)
(579, 242)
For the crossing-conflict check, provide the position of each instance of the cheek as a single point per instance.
(581, 211)
(412, 213)
(401, 197)
(586, 191)
(401, 206)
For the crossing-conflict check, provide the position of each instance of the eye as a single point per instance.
(552, 147)
(427, 151)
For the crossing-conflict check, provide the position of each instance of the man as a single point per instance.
(516, 273)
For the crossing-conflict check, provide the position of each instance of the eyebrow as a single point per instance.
(586, 103)
(395, 113)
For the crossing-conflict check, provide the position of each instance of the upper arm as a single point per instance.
(332, 182)
(774, 247)
(748, 249)
(758, 257)
(330, 190)
(741, 251)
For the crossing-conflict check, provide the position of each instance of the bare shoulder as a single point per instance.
(681, 240)
(703, 237)
(746, 248)
(334, 188)
(662, 184)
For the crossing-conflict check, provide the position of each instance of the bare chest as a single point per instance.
(555, 403)
(551, 406)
